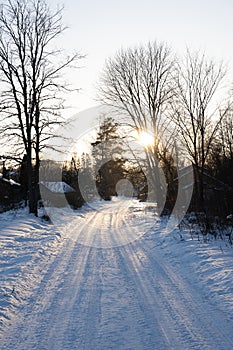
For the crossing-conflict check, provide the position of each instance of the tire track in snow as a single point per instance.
(145, 298)
(124, 316)
(180, 304)
(44, 321)
(123, 298)
(202, 325)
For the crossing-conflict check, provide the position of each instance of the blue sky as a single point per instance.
(99, 28)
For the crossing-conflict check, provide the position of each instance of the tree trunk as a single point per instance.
(31, 185)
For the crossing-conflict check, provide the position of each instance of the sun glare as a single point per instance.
(145, 139)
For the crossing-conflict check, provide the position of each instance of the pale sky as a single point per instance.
(99, 28)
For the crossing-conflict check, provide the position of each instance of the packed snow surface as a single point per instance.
(112, 278)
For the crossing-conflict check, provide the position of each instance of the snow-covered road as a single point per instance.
(111, 287)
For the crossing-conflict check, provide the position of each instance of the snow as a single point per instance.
(113, 277)
(24, 242)
(10, 181)
(58, 187)
(207, 260)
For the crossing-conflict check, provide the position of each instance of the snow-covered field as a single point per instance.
(112, 278)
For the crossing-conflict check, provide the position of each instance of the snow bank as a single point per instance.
(202, 260)
(26, 243)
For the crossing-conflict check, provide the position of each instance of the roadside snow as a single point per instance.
(26, 243)
(207, 261)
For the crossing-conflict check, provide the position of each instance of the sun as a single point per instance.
(145, 139)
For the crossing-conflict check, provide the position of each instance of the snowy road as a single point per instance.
(110, 287)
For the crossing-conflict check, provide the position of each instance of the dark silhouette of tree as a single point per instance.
(31, 83)
(198, 80)
(225, 133)
(138, 82)
(107, 153)
(220, 159)
(70, 175)
(86, 179)
(23, 178)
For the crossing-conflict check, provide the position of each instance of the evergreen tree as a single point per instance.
(108, 157)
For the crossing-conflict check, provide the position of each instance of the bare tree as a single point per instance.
(198, 80)
(220, 158)
(138, 83)
(225, 133)
(31, 83)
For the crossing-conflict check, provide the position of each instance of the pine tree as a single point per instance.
(108, 157)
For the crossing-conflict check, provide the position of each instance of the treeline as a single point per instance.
(99, 173)
(111, 160)
(187, 107)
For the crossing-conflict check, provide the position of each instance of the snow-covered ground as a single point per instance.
(112, 278)
(25, 244)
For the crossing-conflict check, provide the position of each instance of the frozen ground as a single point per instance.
(25, 243)
(112, 278)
